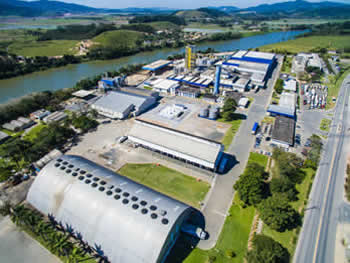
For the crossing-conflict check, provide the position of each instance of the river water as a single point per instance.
(66, 77)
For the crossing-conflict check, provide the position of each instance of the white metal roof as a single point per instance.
(165, 84)
(3, 135)
(240, 54)
(287, 100)
(118, 101)
(290, 84)
(125, 234)
(190, 147)
(83, 93)
(263, 55)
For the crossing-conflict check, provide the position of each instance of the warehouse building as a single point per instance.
(142, 92)
(163, 85)
(182, 146)
(39, 114)
(129, 221)
(188, 92)
(18, 125)
(119, 105)
(3, 137)
(290, 85)
(283, 131)
(276, 110)
(55, 117)
(157, 65)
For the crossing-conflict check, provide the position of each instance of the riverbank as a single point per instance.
(66, 77)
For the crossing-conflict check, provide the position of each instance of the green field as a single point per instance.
(44, 48)
(258, 158)
(325, 125)
(33, 133)
(234, 237)
(288, 239)
(118, 38)
(163, 25)
(230, 134)
(170, 182)
(306, 44)
(290, 22)
(334, 87)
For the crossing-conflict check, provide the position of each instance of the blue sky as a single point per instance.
(181, 4)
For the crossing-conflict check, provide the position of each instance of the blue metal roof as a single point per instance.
(108, 82)
(283, 111)
(156, 68)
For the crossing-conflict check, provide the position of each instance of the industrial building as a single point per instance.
(188, 148)
(276, 110)
(193, 81)
(119, 105)
(283, 131)
(290, 85)
(163, 85)
(39, 114)
(142, 92)
(3, 137)
(157, 65)
(128, 221)
(303, 60)
(84, 94)
(55, 117)
(288, 100)
(190, 58)
(188, 92)
(18, 125)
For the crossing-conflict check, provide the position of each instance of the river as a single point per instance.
(66, 77)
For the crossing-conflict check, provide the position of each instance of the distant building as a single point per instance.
(142, 92)
(163, 85)
(84, 94)
(188, 92)
(39, 114)
(283, 131)
(119, 105)
(18, 125)
(3, 137)
(157, 65)
(56, 116)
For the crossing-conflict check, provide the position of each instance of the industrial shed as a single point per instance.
(118, 104)
(131, 222)
(188, 148)
(283, 131)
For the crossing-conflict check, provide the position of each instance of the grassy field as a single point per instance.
(334, 87)
(234, 237)
(118, 38)
(44, 48)
(284, 22)
(258, 158)
(33, 133)
(306, 44)
(163, 25)
(288, 239)
(230, 134)
(325, 125)
(170, 182)
(207, 26)
(287, 65)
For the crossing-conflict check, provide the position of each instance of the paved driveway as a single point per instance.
(17, 247)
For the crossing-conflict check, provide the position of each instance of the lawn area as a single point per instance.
(288, 239)
(163, 25)
(230, 134)
(44, 48)
(287, 65)
(234, 237)
(33, 133)
(334, 87)
(118, 38)
(306, 44)
(167, 181)
(325, 125)
(258, 158)
(207, 26)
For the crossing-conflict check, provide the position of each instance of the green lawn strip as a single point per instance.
(333, 89)
(231, 132)
(325, 125)
(44, 48)
(258, 158)
(167, 181)
(288, 238)
(306, 44)
(33, 133)
(287, 65)
(234, 237)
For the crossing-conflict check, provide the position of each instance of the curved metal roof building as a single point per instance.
(131, 222)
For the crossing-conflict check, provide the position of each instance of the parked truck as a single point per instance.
(255, 128)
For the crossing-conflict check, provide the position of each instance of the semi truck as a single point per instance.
(255, 128)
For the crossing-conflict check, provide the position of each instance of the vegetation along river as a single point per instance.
(66, 77)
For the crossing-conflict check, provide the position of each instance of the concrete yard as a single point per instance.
(16, 246)
(189, 122)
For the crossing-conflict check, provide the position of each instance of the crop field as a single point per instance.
(121, 38)
(44, 48)
(306, 44)
(303, 21)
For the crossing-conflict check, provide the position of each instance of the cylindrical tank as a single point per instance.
(213, 114)
(204, 113)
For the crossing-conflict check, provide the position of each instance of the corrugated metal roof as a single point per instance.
(185, 144)
(276, 109)
(103, 217)
(3, 136)
(283, 130)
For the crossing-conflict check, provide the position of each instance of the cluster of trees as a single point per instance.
(347, 182)
(75, 32)
(279, 86)
(267, 250)
(158, 18)
(61, 239)
(314, 155)
(225, 36)
(273, 199)
(228, 110)
(12, 66)
(84, 123)
(315, 72)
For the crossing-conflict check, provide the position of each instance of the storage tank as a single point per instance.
(213, 113)
(204, 112)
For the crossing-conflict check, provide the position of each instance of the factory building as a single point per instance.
(190, 58)
(142, 92)
(290, 85)
(193, 81)
(119, 105)
(55, 117)
(157, 66)
(128, 221)
(163, 85)
(18, 125)
(276, 110)
(3, 137)
(182, 146)
(283, 131)
(188, 92)
(39, 114)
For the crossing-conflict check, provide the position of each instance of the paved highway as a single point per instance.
(317, 238)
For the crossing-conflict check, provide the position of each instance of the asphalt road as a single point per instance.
(326, 204)
(221, 195)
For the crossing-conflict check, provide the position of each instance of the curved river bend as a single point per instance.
(66, 77)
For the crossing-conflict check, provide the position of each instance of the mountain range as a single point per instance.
(48, 8)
